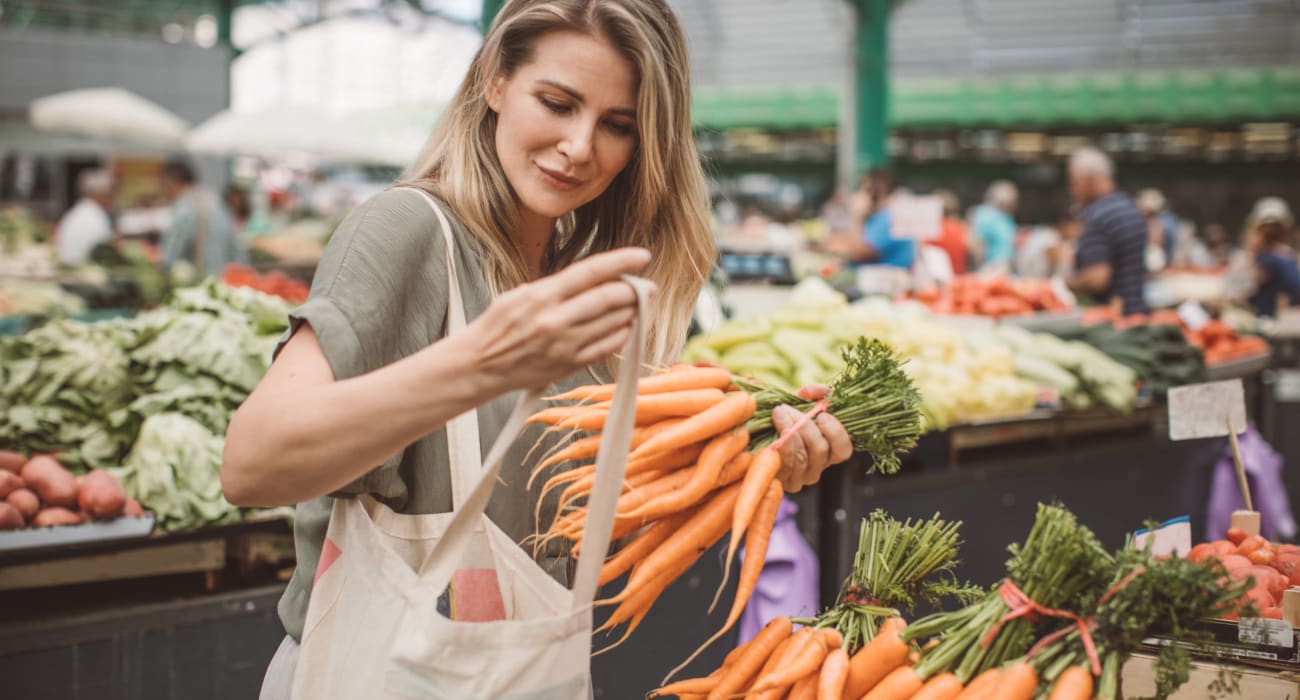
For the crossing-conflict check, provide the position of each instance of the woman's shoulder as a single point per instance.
(399, 220)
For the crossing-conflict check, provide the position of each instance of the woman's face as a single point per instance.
(566, 124)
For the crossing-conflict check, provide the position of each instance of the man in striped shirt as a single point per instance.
(1110, 261)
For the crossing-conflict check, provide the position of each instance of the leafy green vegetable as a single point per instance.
(174, 468)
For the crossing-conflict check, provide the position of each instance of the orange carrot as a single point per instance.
(982, 686)
(805, 688)
(803, 658)
(649, 409)
(755, 556)
(901, 684)
(735, 469)
(704, 475)
(778, 657)
(690, 686)
(694, 537)
(757, 654)
(733, 410)
(1019, 682)
(1074, 684)
(834, 673)
(877, 659)
(944, 686)
(834, 640)
(687, 377)
(761, 473)
(639, 548)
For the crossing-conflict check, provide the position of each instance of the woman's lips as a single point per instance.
(559, 180)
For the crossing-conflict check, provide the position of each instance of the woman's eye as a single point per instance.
(621, 128)
(557, 107)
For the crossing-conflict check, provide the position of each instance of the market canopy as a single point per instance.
(1186, 96)
(111, 114)
(385, 137)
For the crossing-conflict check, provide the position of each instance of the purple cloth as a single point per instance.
(1264, 472)
(789, 581)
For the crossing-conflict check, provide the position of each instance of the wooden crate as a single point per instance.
(1138, 680)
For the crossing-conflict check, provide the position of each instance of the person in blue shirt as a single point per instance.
(878, 245)
(1277, 273)
(995, 228)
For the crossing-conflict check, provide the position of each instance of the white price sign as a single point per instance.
(918, 217)
(1206, 410)
(1193, 315)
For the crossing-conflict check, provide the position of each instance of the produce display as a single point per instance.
(147, 398)
(275, 283)
(1059, 626)
(25, 297)
(705, 461)
(997, 296)
(1270, 569)
(39, 492)
(964, 372)
(1158, 353)
(1219, 341)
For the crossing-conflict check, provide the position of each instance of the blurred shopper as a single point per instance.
(1162, 228)
(87, 224)
(1110, 261)
(836, 212)
(1271, 229)
(201, 232)
(881, 247)
(995, 227)
(954, 236)
(237, 203)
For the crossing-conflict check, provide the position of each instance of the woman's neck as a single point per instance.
(533, 239)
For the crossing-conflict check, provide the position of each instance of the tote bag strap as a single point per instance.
(472, 491)
(462, 431)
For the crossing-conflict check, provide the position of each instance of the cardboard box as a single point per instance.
(1138, 679)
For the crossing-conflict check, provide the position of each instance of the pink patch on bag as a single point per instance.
(476, 596)
(329, 553)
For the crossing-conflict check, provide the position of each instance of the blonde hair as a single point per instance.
(659, 201)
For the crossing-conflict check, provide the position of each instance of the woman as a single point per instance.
(565, 160)
(1269, 237)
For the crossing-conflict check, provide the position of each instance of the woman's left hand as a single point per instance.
(817, 445)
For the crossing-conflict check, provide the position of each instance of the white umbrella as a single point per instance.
(108, 113)
(390, 137)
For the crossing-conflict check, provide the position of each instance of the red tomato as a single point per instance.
(1236, 535)
(1201, 552)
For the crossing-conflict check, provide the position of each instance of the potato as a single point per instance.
(12, 461)
(50, 517)
(132, 509)
(10, 482)
(25, 501)
(54, 484)
(101, 496)
(10, 518)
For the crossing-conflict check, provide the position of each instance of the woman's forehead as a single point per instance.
(583, 64)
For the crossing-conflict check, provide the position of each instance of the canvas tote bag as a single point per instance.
(447, 606)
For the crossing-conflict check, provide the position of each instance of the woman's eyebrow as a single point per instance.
(577, 97)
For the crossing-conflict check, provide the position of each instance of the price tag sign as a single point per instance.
(916, 217)
(1205, 410)
(1172, 537)
(1193, 315)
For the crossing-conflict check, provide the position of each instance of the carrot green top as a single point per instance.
(380, 294)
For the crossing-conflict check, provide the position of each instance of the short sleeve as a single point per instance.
(1092, 249)
(877, 233)
(379, 295)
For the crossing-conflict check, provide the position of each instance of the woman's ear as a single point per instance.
(496, 93)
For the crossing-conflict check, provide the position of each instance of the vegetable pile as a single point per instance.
(1271, 568)
(1158, 353)
(997, 296)
(705, 461)
(39, 492)
(1059, 627)
(1219, 340)
(275, 283)
(148, 398)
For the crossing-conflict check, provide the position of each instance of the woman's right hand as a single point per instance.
(543, 331)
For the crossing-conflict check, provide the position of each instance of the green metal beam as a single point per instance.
(490, 10)
(871, 83)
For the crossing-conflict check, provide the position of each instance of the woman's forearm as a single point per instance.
(325, 436)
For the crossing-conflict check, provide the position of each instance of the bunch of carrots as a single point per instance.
(704, 462)
(808, 663)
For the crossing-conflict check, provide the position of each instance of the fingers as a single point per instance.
(604, 347)
(818, 450)
(841, 445)
(814, 392)
(597, 269)
(589, 340)
(598, 301)
(794, 453)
